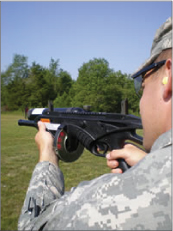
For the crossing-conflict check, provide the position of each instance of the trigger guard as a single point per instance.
(61, 146)
(103, 147)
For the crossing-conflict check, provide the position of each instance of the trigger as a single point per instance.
(100, 149)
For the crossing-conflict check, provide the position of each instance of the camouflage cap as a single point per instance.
(162, 41)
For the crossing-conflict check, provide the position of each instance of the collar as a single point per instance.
(163, 141)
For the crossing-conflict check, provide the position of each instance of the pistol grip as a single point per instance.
(123, 165)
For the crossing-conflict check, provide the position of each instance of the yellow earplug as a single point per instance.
(165, 80)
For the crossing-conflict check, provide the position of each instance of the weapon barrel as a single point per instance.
(27, 123)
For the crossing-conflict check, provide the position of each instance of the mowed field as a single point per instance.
(19, 155)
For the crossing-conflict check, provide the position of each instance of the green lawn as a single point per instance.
(19, 156)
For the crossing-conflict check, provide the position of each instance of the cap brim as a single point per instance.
(145, 64)
(161, 42)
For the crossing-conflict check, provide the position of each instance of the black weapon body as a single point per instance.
(98, 132)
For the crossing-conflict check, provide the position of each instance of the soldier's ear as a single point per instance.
(167, 80)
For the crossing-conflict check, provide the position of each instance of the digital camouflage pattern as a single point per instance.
(162, 41)
(139, 199)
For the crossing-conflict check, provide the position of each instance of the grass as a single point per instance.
(19, 156)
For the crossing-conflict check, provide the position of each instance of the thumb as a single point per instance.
(41, 126)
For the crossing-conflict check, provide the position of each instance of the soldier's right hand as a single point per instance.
(130, 153)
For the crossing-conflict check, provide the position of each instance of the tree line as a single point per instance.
(97, 85)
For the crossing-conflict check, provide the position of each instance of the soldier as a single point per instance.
(140, 198)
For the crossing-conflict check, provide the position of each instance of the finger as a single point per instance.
(112, 163)
(41, 126)
(117, 170)
(123, 153)
(108, 156)
(116, 154)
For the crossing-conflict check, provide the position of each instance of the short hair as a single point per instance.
(166, 54)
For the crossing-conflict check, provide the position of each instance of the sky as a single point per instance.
(76, 32)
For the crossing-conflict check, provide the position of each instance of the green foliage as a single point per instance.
(102, 88)
(64, 96)
(33, 86)
(97, 85)
(51, 76)
(40, 89)
(64, 82)
(62, 101)
(13, 83)
(89, 87)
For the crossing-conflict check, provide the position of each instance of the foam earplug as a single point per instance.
(165, 80)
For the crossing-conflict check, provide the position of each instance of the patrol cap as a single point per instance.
(161, 42)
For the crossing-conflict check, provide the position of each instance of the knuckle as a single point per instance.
(112, 153)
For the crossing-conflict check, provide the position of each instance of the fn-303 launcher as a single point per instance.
(74, 129)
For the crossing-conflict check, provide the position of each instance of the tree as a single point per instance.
(133, 99)
(64, 85)
(97, 86)
(13, 82)
(64, 82)
(40, 89)
(4, 92)
(52, 74)
(62, 101)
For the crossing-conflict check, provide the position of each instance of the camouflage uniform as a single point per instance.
(139, 199)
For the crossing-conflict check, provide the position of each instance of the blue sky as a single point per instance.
(76, 32)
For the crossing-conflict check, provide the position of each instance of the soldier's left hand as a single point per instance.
(44, 141)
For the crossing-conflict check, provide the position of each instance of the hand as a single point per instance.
(130, 153)
(44, 141)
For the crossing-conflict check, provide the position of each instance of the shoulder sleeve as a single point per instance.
(46, 185)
